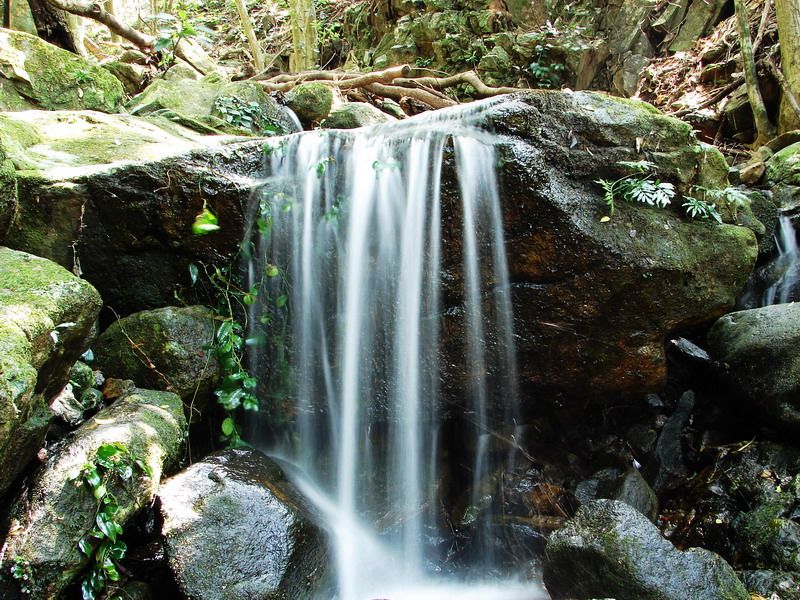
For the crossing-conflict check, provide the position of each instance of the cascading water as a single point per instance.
(786, 265)
(777, 281)
(352, 253)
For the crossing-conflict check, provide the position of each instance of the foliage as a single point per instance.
(639, 186)
(551, 43)
(205, 222)
(21, 571)
(102, 545)
(241, 113)
(697, 208)
(170, 30)
(731, 198)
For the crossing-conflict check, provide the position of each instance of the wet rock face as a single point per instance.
(115, 197)
(610, 550)
(234, 527)
(757, 353)
(47, 317)
(583, 290)
(175, 342)
(594, 301)
(53, 512)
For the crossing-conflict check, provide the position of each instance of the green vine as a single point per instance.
(102, 545)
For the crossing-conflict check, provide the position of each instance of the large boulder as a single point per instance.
(757, 353)
(610, 550)
(115, 196)
(35, 74)
(47, 316)
(166, 349)
(54, 511)
(354, 114)
(213, 105)
(593, 298)
(235, 528)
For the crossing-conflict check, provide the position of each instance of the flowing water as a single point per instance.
(351, 250)
(777, 281)
(786, 266)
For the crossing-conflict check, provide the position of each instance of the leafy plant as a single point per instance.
(205, 222)
(21, 571)
(731, 198)
(639, 186)
(241, 113)
(102, 545)
(697, 208)
(169, 31)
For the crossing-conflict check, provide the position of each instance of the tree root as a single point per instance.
(394, 82)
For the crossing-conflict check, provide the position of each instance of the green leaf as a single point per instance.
(205, 223)
(281, 300)
(228, 426)
(272, 271)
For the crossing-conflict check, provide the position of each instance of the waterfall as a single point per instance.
(785, 267)
(778, 280)
(351, 254)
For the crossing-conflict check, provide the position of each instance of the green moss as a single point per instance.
(56, 79)
(784, 166)
(311, 101)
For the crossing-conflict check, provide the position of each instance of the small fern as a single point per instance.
(697, 208)
(639, 186)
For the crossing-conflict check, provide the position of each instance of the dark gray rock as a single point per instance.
(609, 549)
(164, 349)
(626, 486)
(773, 585)
(758, 356)
(669, 450)
(52, 513)
(235, 528)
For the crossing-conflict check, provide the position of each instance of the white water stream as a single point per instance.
(786, 266)
(353, 250)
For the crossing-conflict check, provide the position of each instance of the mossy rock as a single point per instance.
(355, 114)
(175, 342)
(46, 321)
(784, 166)
(190, 102)
(311, 102)
(54, 512)
(35, 74)
(619, 553)
(233, 521)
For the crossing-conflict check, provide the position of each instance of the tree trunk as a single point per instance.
(112, 10)
(765, 130)
(53, 26)
(252, 40)
(304, 35)
(788, 17)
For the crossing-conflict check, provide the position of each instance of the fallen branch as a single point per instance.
(715, 99)
(396, 92)
(469, 77)
(95, 11)
(343, 81)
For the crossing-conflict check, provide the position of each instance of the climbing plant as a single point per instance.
(102, 545)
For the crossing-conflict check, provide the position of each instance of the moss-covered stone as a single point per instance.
(784, 166)
(311, 102)
(233, 521)
(46, 319)
(619, 553)
(354, 114)
(191, 102)
(175, 343)
(36, 74)
(54, 513)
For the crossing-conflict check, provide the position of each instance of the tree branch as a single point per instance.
(95, 11)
